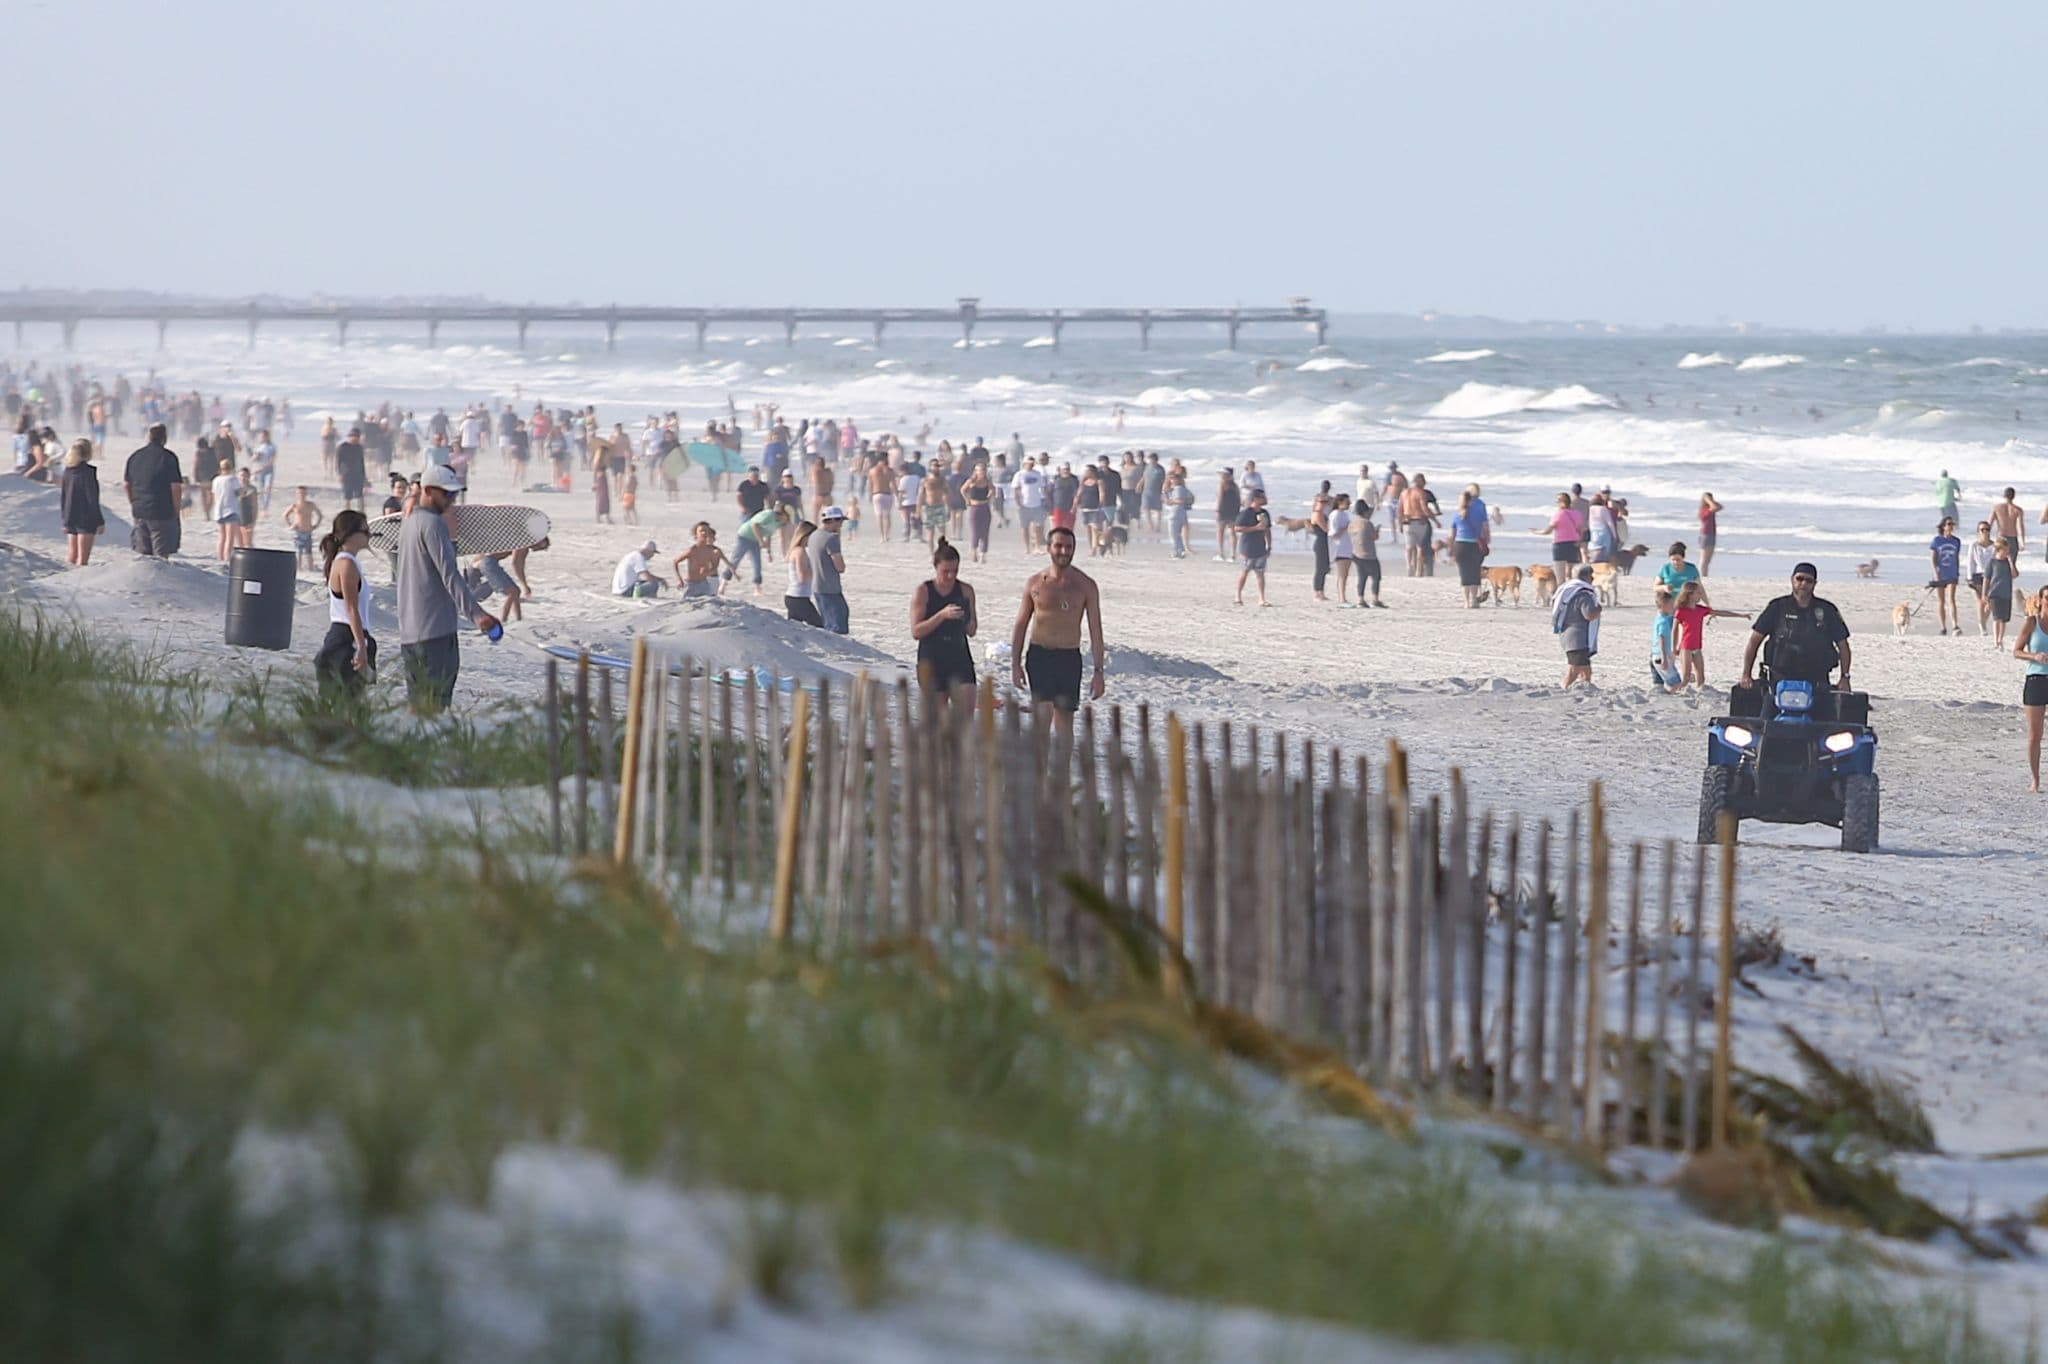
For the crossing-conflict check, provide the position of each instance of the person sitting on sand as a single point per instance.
(635, 576)
(696, 568)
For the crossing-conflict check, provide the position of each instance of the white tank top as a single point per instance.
(337, 609)
(798, 587)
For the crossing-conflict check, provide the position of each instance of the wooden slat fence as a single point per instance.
(1469, 960)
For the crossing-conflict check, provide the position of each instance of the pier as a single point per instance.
(967, 314)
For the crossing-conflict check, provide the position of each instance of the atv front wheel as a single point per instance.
(1715, 785)
(1859, 812)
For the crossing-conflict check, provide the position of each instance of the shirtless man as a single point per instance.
(302, 518)
(1417, 526)
(1055, 601)
(2009, 523)
(697, 567)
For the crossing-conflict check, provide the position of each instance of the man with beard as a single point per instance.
(1056, 602)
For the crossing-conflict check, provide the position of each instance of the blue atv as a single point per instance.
(1798, 754)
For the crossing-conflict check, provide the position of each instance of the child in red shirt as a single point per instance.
(1692, 616)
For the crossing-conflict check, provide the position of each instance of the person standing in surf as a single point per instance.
(1058, 600)
(1710, 526)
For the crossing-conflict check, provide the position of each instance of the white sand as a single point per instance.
(1928, 953)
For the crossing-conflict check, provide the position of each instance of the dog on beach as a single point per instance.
(1119, 540)
(1868, 570)
(1544, 579)
(1504, 582)
(1296, 526)
(1625, 559)
(1902, 617)
(1607, 582)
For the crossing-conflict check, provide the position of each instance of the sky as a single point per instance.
(1802, 164)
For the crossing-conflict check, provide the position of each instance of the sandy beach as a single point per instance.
(1922, 956)
(1922, 953)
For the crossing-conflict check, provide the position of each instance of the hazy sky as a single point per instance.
(1800, 163)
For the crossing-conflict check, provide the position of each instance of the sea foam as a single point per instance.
(1451, 357)
(1694, 360)
(1497, 400)
(1771, 361)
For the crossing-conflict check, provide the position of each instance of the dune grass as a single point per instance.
(186, 957)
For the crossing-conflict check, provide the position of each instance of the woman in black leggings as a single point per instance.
(1319, 540)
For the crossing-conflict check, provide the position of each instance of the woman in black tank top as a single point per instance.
(942, 618)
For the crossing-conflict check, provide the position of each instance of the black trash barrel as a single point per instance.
(260, 597)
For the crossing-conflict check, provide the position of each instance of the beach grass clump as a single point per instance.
(189, 956)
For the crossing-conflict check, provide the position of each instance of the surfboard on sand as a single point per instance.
(480, 528)
(716, 459)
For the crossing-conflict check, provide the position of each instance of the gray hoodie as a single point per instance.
(433, 598)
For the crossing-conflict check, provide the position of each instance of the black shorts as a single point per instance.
(943, 668)
(2001, 606)
(2036, 693)
(1054, 675)
(1578, 658)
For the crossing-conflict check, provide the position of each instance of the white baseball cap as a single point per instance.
(442, 476)
(833, 514)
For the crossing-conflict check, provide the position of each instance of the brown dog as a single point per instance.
(1625, 559)
(1544, 579)
(1607, 582)
(1504, 582)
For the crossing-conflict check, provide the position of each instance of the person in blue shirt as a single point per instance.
(1470, 535)
(1664, 671)
(1946, 551)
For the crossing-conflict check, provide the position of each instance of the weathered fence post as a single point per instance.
(1176, 848)
(785, 836)
(1724, 989)
(1660, 1049)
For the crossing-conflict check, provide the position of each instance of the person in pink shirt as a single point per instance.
(1564, 526)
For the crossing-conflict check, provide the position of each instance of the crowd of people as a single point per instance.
(818, 482)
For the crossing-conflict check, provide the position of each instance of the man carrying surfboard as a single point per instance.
(433, 596)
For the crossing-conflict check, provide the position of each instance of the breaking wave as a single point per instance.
(1497, 400)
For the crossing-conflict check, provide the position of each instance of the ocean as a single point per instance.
(1819, 447)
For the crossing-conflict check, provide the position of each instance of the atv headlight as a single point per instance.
(1841, 741)
(1738, 735)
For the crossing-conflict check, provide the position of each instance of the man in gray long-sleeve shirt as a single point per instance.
(431, 590)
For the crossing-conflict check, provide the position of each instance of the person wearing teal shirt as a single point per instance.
(757, 532)
(1946, 491)
(1676, 572)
